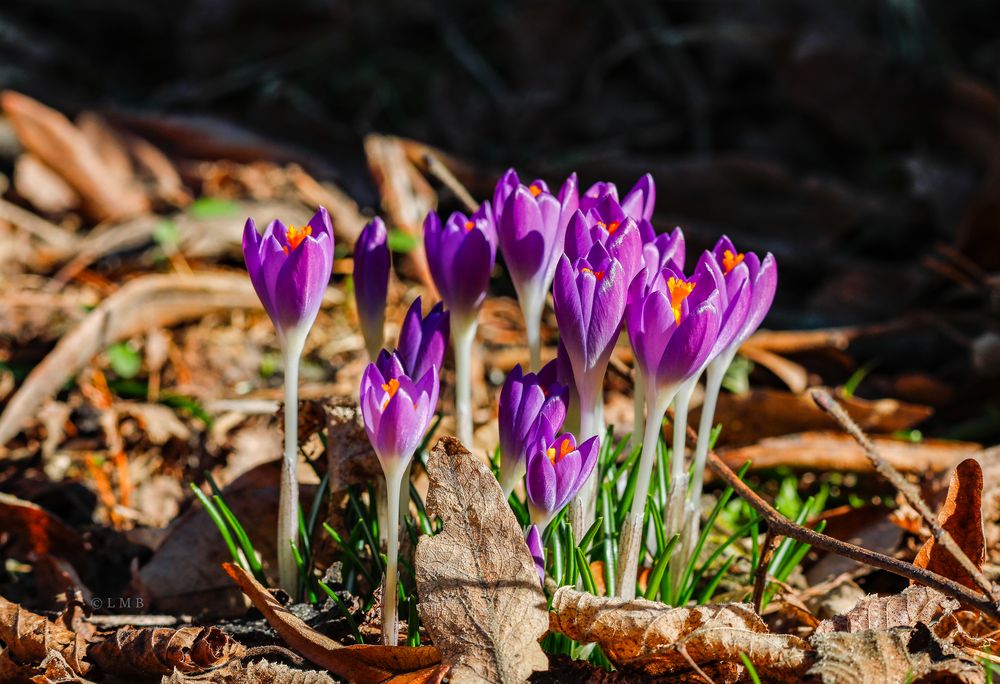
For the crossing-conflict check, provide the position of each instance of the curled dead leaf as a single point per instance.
(30, 638)
(132, 652)
(362, 664)
(962, 517)
(480, 599)
(660, 639)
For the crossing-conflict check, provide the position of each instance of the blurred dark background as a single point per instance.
(858, 141)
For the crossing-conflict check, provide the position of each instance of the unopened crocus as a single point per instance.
(531, 231)
(534, 541)
(423, 340)
(589, 299)
(759, 279)
(672, 324)
(461, 254)
(531, 406)
(555, 473)
(638, 203)
(371, 283)
(397, 411)
(290, 268)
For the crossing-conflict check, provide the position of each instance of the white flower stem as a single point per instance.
(631, 535)
(463, 336)
(393, 481)
(713, 384)
(510, 475)
(288, 503)
(583, 510)
(531, 309)
(638, 409)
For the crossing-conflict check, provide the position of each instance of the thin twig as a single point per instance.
(437, 169)
(905, 487)
(760, 575)
(781, 525)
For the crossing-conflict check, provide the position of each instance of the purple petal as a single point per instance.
(301, 282)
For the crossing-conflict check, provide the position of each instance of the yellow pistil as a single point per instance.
(565, 447)
(731, 261)
(391, 388)
(535, 190)
(294, 236)
(469, 225)
(679, 291)
(597, 274)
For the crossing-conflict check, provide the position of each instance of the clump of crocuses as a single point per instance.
(397, 410)
(290, 268)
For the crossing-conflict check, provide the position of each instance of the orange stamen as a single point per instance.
(679, 291)
(294, 236)
(565, 447)
(390, 387)
(534, 190)
(731, 261)
(469, 225)
(597, 274)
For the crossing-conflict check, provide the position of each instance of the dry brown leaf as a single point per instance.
(30, 638)
(350, 458)
(149, 651)
(767, 412)
(42, 187)
(64, 148)
(361, 664)
(915, 604)
(480, 599)
(661, 639)
(962, 517)
(147, 302)
(901, 654)
(819, 451)
(31, 533)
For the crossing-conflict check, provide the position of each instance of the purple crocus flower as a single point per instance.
(609, 225)
(534, 541)
(638, 203)
(595, 193)
(531, 233)
(371, 282)
(555, 473)
(290, 268)
(423, 340)
(762, 276)
(672, 324)
(531, 406)
(460, 254)
(589, 298)
(396, 409)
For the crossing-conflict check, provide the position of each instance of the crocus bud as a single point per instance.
(534, 541)
(641, 199)
(589, 299)
(531, 406)
(290, 268)
(371, 282)
(460, 255)
(423, 341)
(595, 193)
(556, 471)
(396, 409)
